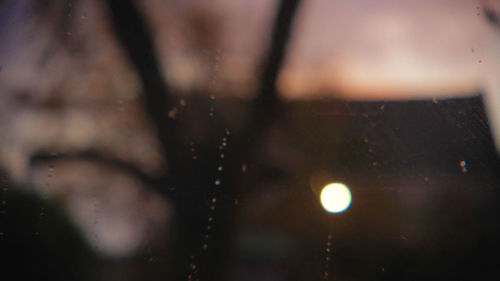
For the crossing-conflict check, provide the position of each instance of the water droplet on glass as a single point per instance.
(463, 166)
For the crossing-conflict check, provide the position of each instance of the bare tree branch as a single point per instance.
(490, 14)
(135, 37)
(267, 96)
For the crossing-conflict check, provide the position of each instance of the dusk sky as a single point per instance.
(391, 49)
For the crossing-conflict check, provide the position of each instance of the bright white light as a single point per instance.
(335, 197)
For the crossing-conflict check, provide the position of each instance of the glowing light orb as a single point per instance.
(335, 197)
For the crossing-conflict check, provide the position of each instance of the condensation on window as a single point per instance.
(249, 140)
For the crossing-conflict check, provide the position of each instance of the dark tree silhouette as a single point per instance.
(178, 182)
